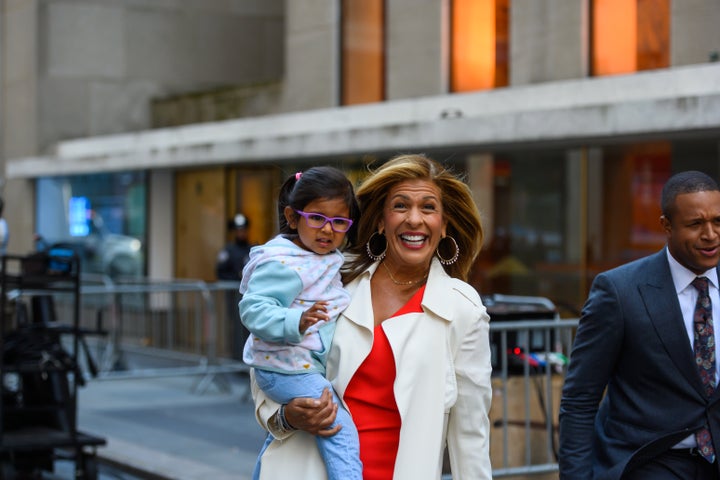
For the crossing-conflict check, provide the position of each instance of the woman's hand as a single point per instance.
(313, 415)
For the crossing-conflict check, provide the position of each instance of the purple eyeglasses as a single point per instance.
(318, 220)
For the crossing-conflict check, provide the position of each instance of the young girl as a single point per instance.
(292, 295)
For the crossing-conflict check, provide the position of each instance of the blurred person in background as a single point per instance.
(230, 263)
(232, 258)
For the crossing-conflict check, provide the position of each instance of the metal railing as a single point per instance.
(532, 367)
(529, 364)
(150, 328)
(164, 328)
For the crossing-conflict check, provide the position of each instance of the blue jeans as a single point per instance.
(340, 452)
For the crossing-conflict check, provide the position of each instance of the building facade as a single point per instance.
(566, 118)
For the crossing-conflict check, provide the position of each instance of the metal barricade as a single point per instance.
(525, 405)
(529, 357)
(163, 328)
(158, 328)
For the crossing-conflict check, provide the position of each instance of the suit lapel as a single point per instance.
(660, 298)
(360, 298)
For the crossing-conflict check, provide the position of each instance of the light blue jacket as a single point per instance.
(280, 282)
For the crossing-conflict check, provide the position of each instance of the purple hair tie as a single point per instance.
(297, 176)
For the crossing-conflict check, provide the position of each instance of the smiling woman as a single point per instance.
(413, 225)
(411, 355)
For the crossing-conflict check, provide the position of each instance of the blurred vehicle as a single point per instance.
(100, 250)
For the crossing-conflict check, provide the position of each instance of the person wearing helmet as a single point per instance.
(232, 257)
(230, 262)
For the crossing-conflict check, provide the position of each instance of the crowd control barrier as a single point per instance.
(530, 346)
(180, 327)
(159, 328)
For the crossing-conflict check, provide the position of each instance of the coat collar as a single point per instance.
(435, 299)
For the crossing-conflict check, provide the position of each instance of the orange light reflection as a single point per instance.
(473, 45)
(614, 36)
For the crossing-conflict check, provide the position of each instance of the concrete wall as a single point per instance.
(19, 113)
(416, 50)
(647, 105)
(312, 59)
(548, 40)
(416, 63)
(80, 68)
(105, 60)
(21, 70)
(694, 32)
(161, 225)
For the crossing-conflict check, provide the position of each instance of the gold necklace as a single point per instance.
(397, 282)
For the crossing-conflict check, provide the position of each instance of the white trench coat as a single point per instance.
(442, 387)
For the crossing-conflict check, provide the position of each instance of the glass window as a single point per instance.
(479, 44)
(632, 178)
(630, 35)
(363, 51)
(527, 251)
(102, 217)
(653, 37)
(554, 219)
(555, 223)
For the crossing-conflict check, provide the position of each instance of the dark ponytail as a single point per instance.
(316, 183)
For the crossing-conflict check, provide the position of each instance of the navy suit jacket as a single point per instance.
(632, 341)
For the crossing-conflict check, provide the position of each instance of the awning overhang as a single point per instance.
(646, 104)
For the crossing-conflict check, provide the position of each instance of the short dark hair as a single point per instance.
(691, 181)
(317, 183)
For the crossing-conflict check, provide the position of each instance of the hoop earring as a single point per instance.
(448, 261)
(379, 256)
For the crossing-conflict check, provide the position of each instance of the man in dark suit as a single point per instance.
(639, 400)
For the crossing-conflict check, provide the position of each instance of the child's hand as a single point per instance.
(313, 315)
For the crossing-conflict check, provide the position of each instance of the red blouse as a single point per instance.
(371, 399)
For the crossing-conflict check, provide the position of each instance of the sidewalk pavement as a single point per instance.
(165, 429)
